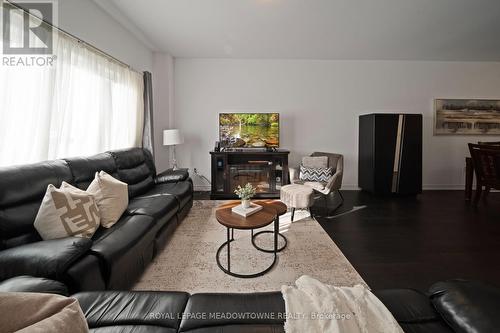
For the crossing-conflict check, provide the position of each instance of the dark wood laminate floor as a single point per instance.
(415, 241)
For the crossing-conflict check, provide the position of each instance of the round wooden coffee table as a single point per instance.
(231, 221)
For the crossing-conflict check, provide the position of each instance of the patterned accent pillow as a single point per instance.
(67, 211)
(315, 174)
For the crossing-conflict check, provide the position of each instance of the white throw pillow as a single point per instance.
(111, 196)
(67, 211)
(37, 312)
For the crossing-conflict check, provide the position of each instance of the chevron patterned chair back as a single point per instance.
(332, 186)
(335, 161)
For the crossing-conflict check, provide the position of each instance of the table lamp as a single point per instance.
(172, 137)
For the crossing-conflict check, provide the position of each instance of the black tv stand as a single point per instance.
(266, 170)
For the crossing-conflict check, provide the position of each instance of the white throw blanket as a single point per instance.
(315, 307)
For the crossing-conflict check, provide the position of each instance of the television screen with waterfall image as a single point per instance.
(249, 130)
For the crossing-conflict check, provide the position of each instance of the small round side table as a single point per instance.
(281, 209)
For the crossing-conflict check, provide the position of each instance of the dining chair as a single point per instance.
(486, 162)
(496, 144)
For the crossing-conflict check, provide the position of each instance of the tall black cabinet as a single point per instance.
(390, 153)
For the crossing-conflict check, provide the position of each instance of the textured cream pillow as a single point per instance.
(111, 196)
(67, 211)
(315, 161)
(37, 312)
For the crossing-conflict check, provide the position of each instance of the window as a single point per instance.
(84, 104)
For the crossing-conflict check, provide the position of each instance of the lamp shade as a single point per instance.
(172, 137)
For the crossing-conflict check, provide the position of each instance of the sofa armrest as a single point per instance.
(49, 259)
(467, 306)
(172, 176)
(335, 182)
(245, 306)
(30, 284)
(105, 309)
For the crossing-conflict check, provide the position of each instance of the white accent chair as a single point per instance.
(334, 183)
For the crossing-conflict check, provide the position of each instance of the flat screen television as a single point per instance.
(249, 130)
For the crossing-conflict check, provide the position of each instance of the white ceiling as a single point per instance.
(467, 30)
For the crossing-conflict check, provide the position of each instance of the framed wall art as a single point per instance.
(467, 117)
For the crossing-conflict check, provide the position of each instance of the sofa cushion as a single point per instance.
(21, 191)
(125, 249)
(201, 307)
(125, 309)
(67, 211)
(407, 305)
(48, 259)
(31, 284)
(85, 274)
(413, 311)
(25, 232)
(426, 327)
(132, 329)
(172, 176)
(134, 168)
(161, 207)
(467, 306)
(182, 191)
(26, 183)
(243, 328)
(83, 169)
(138, 179)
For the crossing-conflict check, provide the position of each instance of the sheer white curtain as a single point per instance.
(84, 104)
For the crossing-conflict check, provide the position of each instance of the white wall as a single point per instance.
(87, 21)
(320, 100)
(163, 95)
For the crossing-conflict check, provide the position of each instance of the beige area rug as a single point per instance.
(188, 261)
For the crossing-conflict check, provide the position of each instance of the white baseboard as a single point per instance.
(202, 188)
(437, 187)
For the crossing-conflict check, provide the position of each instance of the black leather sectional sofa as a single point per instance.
(450, 306)
(113, 258)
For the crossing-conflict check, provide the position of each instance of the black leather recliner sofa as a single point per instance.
(113, 258)
(449, 306)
